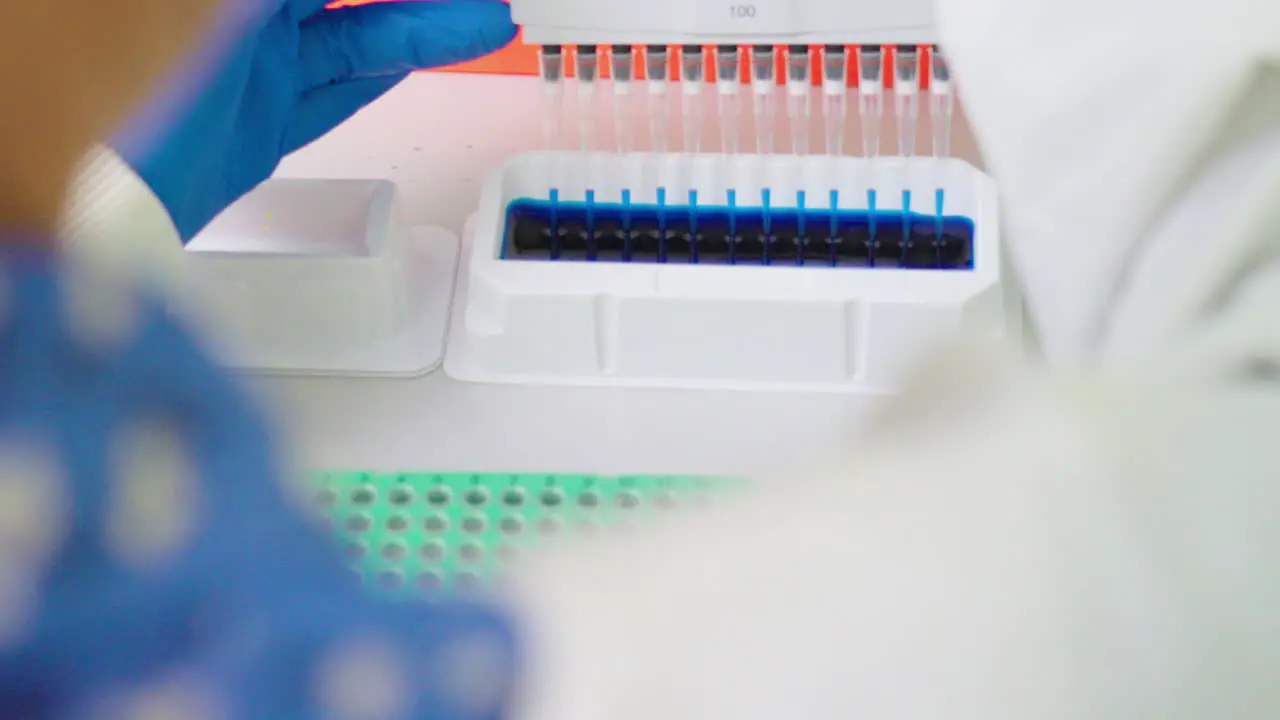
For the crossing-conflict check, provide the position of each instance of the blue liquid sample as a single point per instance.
(938, 201)
(662, 225)
(693, 226)
(801, 233)
(872, 216)
(553, 205)
(767, 216)
(633, 233)
(834, 231)
(626, 223)
(591, 223)
(733, 226)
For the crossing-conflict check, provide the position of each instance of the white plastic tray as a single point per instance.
(322, 277)
(703, 326)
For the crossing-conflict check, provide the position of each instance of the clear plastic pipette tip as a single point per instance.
(551, 70)
(941, 103)
(586, 69)
(692, 73)
(835, 82)
(798, 82)
(870, 97)
(727, 64)
(622, 65)
(655, 65)
(906, 93)
(763, 85)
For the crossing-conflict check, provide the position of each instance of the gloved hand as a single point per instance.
(297, 73)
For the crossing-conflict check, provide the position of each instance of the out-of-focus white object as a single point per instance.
(1121, 123)
(678, 22)
(719, 325)
(113, 221)
(1016, 544)
(322, 277)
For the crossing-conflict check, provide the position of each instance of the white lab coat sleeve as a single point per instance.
(112, 219)
(1013, 545)
(1097, 117)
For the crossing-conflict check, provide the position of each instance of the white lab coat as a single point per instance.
(1097, 538)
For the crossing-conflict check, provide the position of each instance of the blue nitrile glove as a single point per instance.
(299, 72)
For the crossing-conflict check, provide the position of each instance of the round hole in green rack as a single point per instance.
(400, 496)
(549, 525)
(589, 499)
(391, 579)
(467, 581)
(507, 553)
(439, 496)
(359, 523)
(511, 525)
(477, 497)
(435, 523)
(326, 498)
(356, 550)
(433, 551)
(394, 551)
(429, 583)
(471, 552)
(551, 497)
(513, 497)
(397, 523)
(363, 495)
(474, 525)
(628, 500)
(665, 500)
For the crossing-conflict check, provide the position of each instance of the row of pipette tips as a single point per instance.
(835, 63)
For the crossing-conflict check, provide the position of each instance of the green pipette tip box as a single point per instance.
(422, 534)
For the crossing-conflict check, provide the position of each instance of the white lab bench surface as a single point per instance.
(437, 136)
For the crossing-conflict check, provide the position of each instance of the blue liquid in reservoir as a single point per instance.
(734, 234)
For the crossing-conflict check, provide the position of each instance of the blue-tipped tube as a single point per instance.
(662, 225)
(906, 220)
(626, 226)
(591, 224)
(768, 225)
(732, 198)
(871, 220)
(800, 227)
(693, 226)
(833, 244)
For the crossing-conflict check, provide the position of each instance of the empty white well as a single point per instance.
(322, 276)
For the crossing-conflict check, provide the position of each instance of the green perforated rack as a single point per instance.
(420, 534)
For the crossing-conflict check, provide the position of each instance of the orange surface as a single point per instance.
(520, 59)
(515, 59)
